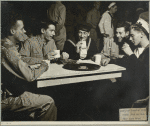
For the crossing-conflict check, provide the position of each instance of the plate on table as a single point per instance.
(82, 66)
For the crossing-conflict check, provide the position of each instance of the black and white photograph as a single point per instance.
(76, 61)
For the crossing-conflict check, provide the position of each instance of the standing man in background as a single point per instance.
(57, 13)
(93, 18)
(106, 24)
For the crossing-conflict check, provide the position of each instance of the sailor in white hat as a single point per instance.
(106, 26)
(111, 4)
(138, 60)
(139, 35)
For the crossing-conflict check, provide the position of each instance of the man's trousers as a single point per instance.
(34, 106)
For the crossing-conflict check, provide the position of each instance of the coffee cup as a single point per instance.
(97, 59)
(57, 53)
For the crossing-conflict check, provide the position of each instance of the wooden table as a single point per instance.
(57, 75)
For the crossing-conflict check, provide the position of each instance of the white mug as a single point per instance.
(83, 50)
(97, 59)
(47, 61)
(58, 53)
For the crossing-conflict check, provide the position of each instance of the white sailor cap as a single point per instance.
(143, 21)
(144, 24)
(111, 4)
(139, 9)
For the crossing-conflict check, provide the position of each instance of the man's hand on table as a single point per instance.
(45, 65)
(64, 55)
(105, 61)
(51, 55)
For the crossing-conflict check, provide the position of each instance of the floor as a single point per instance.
(89, 101)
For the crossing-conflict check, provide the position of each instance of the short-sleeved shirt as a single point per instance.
(37, 47)
(110, 49)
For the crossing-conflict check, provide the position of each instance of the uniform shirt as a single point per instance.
(106, 25)
(93, 18)
(14, 68)
(70, 48)
(57, 13)
(110, 49)
(35, 49)
(140, 76)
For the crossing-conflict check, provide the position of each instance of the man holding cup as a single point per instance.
(41, 45)
(115, 49)
(84, 47)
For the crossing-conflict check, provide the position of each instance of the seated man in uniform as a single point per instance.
(83, 47)
(41, 45)
(21, 100)
(138, 60)
(115, 48)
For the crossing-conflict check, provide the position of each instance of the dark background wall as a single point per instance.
(38, 9)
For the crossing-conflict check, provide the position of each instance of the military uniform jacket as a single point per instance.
(16, 73)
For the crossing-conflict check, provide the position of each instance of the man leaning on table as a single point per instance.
(41, 45)
(16, 75)
(115, 51)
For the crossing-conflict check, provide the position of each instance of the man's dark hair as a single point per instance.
(125, 25)
(42, 24)
(8, 21)
(84, 26)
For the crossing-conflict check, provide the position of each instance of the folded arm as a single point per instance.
(21, 67)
